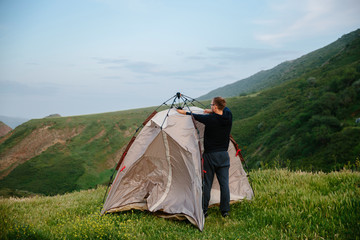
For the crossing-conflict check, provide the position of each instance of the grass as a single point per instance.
(287, 205)
(82, 162)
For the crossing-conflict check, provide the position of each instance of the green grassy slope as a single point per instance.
(285, 71)
(83, 161)
(287, 205)
(306, 123)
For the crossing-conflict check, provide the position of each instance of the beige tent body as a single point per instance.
(161, 170)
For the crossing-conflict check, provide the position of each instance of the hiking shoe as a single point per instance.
(225, 214)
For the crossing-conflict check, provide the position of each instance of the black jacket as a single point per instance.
(217, 130)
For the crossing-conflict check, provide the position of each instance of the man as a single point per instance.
(218, 124)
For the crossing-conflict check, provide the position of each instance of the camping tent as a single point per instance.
(161, 170)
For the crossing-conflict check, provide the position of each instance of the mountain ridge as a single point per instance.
(284, 71)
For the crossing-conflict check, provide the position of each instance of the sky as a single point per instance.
(93, 56)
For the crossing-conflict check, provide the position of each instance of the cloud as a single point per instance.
(238, 57)
(133, 66)
(33, 64)
(13, 88)
(141, 67)
(156, 70)
(308, 18)
(110, 60)
(247, 54)
(211, 67)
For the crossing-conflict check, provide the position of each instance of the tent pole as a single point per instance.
(168, 111)
(194, 100)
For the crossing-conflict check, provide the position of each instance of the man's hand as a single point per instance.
(181, 111)
(208, 111)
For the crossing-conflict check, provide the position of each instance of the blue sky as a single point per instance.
(94, 56)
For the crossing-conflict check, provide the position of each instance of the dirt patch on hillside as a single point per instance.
(33, 145)
(97, 136)
(4, 129)
(128, 133)
(114, 159)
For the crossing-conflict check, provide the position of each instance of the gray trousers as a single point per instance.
(217, 163)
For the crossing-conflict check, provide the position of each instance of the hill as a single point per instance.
(305, 123)
(287, 205)
(4, 129)
(308, 122)
(285, 71)
(58, 155)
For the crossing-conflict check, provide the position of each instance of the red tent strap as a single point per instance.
(149, 117)
(125, 152)
(238, 152)
(133, 139)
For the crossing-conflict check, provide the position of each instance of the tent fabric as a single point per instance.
(162, 171)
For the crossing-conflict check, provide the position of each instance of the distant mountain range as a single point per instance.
(301, 115)
(13, 122)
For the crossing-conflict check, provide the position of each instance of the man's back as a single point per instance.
(217, 130)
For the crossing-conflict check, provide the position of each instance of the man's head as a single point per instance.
(219, 102)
